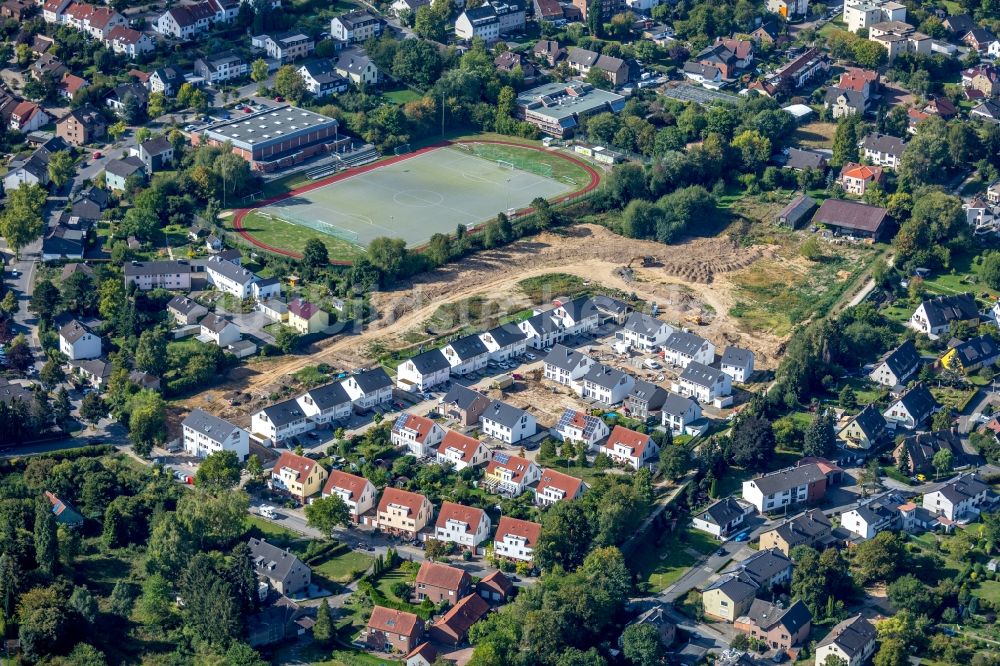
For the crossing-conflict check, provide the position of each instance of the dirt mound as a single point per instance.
(729, 259)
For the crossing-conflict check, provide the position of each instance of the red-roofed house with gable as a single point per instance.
(422, 655)
(628, 447)
(577, 426)
(393, 630)
(27, 117)
(556, 486)
(495, 588)
(515, 539)
(856, 178)
(70, 84)
(357, 492)
(510, 475)
(452, 628)
(440, 582)
(418, 434)
(401, 512)
(126, 41)
(462, 451)
(466, 526)
(306, 317)
(297, 476)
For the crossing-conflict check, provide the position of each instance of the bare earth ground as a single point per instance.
(691, 283)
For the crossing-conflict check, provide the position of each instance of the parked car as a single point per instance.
(742, 536)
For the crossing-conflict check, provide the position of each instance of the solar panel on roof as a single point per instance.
(501, 458)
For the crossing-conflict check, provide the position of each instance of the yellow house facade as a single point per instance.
(403, 512)
(728, 598)
(298, 476)
(306, 317)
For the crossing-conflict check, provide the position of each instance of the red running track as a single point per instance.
(595, 179)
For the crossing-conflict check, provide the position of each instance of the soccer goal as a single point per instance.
(504, 164)
(402, 150)
(253, 197)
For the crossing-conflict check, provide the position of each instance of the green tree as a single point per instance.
(52, 374)
(241, 654)
(21, 221)
(820, 438)
(147, 422)
(641, 644)
(326, 513)
(903, 464)
(61, 407)
(289, 83)
(46, 541)
(286, 339)
(909, 593)
(891, 652)
(61, 167)
(943, 462)
(878, 558)
(92, 408)
(674, 461)
(751, 442)
(10, 577)
(258, 70)
(845, 140)
(122, 598)
(323, 629)
(117, 129)
(211, 612)
(315, 256)
(84, 654)
(870, 55)
(429, 24)
(156, 603)
(84, 603)
(253, 466)
(220, 469)
(565, 537)
(151, 352)
(755, 149)
(242, 577)
(44, 302)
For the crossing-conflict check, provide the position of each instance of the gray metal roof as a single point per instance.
(463, 397)
(271, 561)
(468, 347)
(684, 342)
(741, 358)
(283, 413)
(676, 405)
(504, 414)
(230, 270)
(644, 324)
(371, 381)
(604, 376)
(564, 358)
(430, 361)
(701, 375)
(219, 430)
(329, 395)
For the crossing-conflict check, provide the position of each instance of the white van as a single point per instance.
(651, 364)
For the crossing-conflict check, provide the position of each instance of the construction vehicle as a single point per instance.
(502, 382)
(696, 319)
(645, 261)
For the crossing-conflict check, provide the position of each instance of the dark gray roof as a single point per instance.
(871, 421)
(785, 479)
(183, 304)
(852, 635)
(98, 367)
(270, 561)
(702, 70)
(371, 381)
(805, 159)
(651, 395)
(157, 146)
(609, 305)
(855, 99)
(676, 405)
(735, 586)
(604, 375)
(506, 335)
(463, 397)
(766, 615)
(73, 331)
(804, 528)
(883, 143)
(157, 267)
(962, 488)
(329, 395)
(765, 564)
(919, 402)
(684, 342)
(468, 347)
(564, 358)
(230, 270)
(945, 309)
(430, 361)
(741, 358)
(544, 322)
(643, 324)
(217, 429)
(504, 414)
(904, 360)
(580, 308)
(797, 209)
(978, 350)
(701, 375)
(722, 512)
(124, 167)
(283, 413)
(214, 322)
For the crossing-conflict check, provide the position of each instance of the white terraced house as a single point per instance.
(515, 539)
(703, 383)
(423, 371)
(645, 333)
(579, 315)
(463, 525)
(418, 434)
(507, 423)
(326, 404)
(466, 354)
(229, 278)
(357, 492)
(281, 421)
(369, 389)
(577, 426)
(566, 366)
(504, 342)
(630, 448)
(510, 475)
(682, 348)
(205, 434)
(605, 384)
(461, 451)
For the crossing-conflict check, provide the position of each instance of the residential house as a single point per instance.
(466, 354)
(463, 525)
(437, 582)
(728, 597)
(306, 317)
(864, 430)
(708, 76)
(287, 47)
(988, 110)
(357, 68)
(851, 642)
(543, 330)
(222, 67)
(577, 316)
(898, 38)
(282, 570)
(495, 588)
(566, 366)
(403, 513)
(504, 342)
(65, 513)
(356, 26)
(369, 389)
(423, 371)
(860, 14)
(515, 539)
(644, 333)
(119, 97)
(424, 654)
(679, 414)
(722, 518)
(582, 61)
(850, 218)
(507, 423)
(882, 150)
(629, 448)
(392, 630)
(205, 434)
(185, 21)
(555, 486)
(919, 450)
(898, 366)
(461, 451)
(767, 567)
(788, 9)
(70, 85)
(128, 42)
(510, 475)
(321, 79)
(682, 348)
(548, 51)
(971, 355)
(185, 311)
(912, 409)
(703, 383)
(479, 22)
(298, 476)
(983, 78)
(779, 628)
(982, 40)
(174, 275)
(577, 426)
(464, 405)
(27, 117)
(454, 626)
(800, 160)
(166, 80)
(737, 363)
(326, 404)
(934, 316)
(418, 434)
(281, 421)
(229, 278)
(157, 154)
(274, 309)
(510, 62)
(605, 385)
(867, 520)
(845, 102)
(356, 492)
(95, 371)
(82, 126)
(77, 341)
(811, 528)
(729, 56)
(646, 400)
(219, 330)
(959, 24)
(400, 8)
(857, 178)
(611, 309)
(117, 172)
(794, 485)
(958, 499)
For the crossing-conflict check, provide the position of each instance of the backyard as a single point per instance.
(660, 567)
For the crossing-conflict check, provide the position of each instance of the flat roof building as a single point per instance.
(556, 108)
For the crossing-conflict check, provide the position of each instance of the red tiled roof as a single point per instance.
(352, 483)
(861, 171)
(857, 79)
(469, 515)
(300, 464)
(569, 485)
(579, 420)
(630, 438)
(72, 83)
(394, 621)
(523, 528)
(411, 501)
(102, 16)
(741, 48)
(421, 425)
(139, 75)
(425, 650)
(302, 308)
(465, 613)
(497, 581)
(441, 576)
(456, 440)
(517, 466)
(120, 33)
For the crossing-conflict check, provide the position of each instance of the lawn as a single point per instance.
(660, 567)
(542, 288)
(959, 279)
(277, 534)
(989, 590)
(816, 134)
(540, 163)
(345, 567)
(287, 236)
(386, 580)
(401, 97)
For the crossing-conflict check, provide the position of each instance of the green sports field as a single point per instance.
(415, 198)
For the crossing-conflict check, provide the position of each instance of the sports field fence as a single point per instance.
(316, 225)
